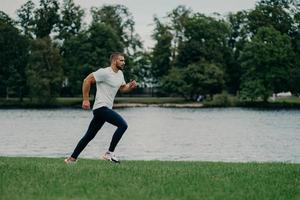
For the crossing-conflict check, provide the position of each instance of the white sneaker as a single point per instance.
(70, 160)
(110, 157)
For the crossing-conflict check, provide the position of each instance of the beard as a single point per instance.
(120, 67)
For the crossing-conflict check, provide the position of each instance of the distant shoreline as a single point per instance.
(163, 102)
(165, 105)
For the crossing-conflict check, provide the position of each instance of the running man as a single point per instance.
(108, 81)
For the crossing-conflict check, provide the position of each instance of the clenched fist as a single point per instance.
(86, 104)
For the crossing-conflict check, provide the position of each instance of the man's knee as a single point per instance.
(124, 126)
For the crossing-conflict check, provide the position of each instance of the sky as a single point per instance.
(143, 11)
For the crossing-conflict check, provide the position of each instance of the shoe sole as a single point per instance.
(113, 161)
(69, 163)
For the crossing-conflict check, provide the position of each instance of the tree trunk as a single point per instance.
(21, 94)
(7, 93)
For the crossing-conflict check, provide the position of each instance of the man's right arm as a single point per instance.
(87, 82)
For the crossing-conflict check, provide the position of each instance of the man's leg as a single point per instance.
(94, 127)
(114, 118)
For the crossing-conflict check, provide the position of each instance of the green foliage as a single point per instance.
(13, 58)
(294, 80)
(174, 83)
(46, 18)
(26, 18)
(5, 19)
(196, 79)
(236, 43)
(121, 21)
(270, 13)
(196, 41)
(44, 72)
(178, 18)
(254, 52)
(139, 68)
(71, 20)
(161, 53)
(205, 39)
(254, 90)
(266, 63)
(222, 100)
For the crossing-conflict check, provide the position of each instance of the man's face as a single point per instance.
(120, 62)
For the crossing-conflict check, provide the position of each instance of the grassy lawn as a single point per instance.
(50, 178)
(292, 99)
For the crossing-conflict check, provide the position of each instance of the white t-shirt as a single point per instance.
(108, 83)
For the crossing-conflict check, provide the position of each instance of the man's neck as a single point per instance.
(114, 68)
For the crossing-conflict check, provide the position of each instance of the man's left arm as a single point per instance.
(128, 87)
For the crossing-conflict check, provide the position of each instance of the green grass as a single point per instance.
(291, 99)
(50, 178)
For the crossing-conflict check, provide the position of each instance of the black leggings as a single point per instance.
(102, 115)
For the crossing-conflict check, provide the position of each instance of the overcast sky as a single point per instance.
(144, 10)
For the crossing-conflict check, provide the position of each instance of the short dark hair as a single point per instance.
(115, 55)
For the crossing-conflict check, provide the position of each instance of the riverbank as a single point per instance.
(167, 102)
(120, 102)
(50, 178)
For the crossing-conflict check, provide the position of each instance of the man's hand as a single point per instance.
(86, 104)
(132, 84)
(128, 87)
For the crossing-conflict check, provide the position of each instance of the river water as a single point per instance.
(214, 134)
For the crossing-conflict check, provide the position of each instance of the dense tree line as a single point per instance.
(48, 50)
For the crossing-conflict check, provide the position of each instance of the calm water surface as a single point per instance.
(229, 134)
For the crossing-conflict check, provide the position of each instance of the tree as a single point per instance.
(46, 18)
(44, 71)
(70, 26)
(26, 18)
(266, 64)
(13, 58)
(295, 79)
(206, 39)
(245, 25)
(103, 41)
(121, 21)
(4, 18)
(178, 18)
(200, 44)
(141, 70)
(196, 79)
(71, 20)
(161, 53)
(237, 40)
(295, 74)
(270, 13)
(76, 54)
